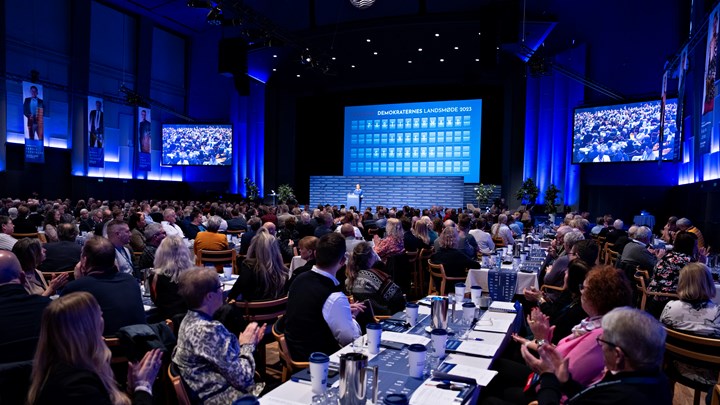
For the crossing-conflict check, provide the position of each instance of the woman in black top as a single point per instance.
(72, 362)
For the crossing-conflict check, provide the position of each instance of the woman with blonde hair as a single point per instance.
(263, 274)
(172, 258)
(72, 362)
(392, 244)
(694, 312)
(418, 236)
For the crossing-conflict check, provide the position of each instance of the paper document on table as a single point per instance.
(424, 310)
(147, 307)
(487, 337)
(501, 306)
(472, 347)
(482, 363)
(493, 324)
(405, 338)
(290, 393)
(481, 376)
(429, 394)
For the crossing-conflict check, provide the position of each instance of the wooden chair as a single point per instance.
(237, 233)
(601, 241)
(113, 344)
(499, 242)
(176, 380)
(217, 258)
(551, 288)
(437, 270)
(696, 350)
(644, 292)
(289, 365)
(49, 275)
(262, 312)
(412, 258)
(716, 395)
(33, 235)
(611, 256)
(422, 263)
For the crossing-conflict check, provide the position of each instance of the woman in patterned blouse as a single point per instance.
(392, 244)
(217, 366)
(667, 270)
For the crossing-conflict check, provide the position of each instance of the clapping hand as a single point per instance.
(252, 334)
(356, 308)
(143, 374)
(550, 361)
(532, 294)
(540, 325)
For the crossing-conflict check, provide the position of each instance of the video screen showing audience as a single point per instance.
(625, 133)
(197, 145)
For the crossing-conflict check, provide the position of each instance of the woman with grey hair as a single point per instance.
(633, 345)
(211, 239)
(172, 258)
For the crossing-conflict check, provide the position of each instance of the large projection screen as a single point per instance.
(440, 138)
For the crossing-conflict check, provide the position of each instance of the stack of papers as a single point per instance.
(480, 375)
(500, 306)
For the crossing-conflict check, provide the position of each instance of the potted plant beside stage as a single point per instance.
(251, 188)
(285, 193)
(528, 192)
(483, 193)
(552, 193)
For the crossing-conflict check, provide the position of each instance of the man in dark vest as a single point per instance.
(319, 317)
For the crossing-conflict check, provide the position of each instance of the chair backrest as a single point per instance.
(499, 242)
(176, 380)
(48, 275)
(217, 257)
(118, 354)
(33, 235)
(284, 352)
(692, 347)
(436, 269)
(257, 311)
(611, 256)
(15, 382)
(640, 285)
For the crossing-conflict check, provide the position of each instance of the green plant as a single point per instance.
(483, 192)
(251, 188)
(551, 196)
(285, 193)
(528, 191)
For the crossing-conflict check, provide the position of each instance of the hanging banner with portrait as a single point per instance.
(96, 132)
(682, 71)
(144, 139)
(709, 92)
(34, 112)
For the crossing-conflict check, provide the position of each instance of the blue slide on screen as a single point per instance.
(440, 138)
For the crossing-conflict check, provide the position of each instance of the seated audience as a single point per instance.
(454, 260)
(306, 248)
(604, 289)
(171, 260)
(194, 225)
(392, 244)
(154, 235)
(305, 227)
(117, 293)
(211, 239)
(30, 253)
(262, 274)
(21, 312)
(137, 228)
(666, 273)
(52, 220)
(417, 238)
(319, 316)
(237, 222)
(325, 224)
(637, 253)
(500, 230)
(72, 362)
(364, 282)
(669, 230)
(22, 223)
(556, 274)
(170, 225)
(486, 246)
(8, 228)
(632, 344)
(615, 231)
(253, 224)
(64, 254)
(118, 233)
(87, 222)
(684, 224)
(346, 230)
(694, 312)
(217, 366)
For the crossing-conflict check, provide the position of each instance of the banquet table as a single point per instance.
(479, 277)
(489, 335)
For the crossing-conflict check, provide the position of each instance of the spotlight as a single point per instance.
(199, 4)
(214, 17)
(362, 4)
(306, 57)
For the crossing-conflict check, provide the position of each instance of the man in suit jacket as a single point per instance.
(63, 254)
(97, 126)
(21, 314)
(32, 109)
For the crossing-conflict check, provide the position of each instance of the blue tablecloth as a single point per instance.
(647, 220)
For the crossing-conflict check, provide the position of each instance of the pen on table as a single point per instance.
(478, 339)
(297, 380)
